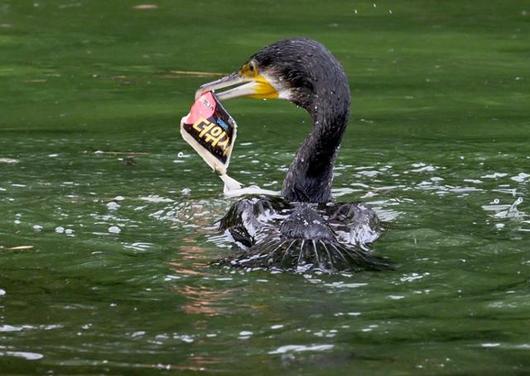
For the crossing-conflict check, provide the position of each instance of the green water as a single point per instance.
(114, 212)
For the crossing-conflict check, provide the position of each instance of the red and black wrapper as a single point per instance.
(211, 131)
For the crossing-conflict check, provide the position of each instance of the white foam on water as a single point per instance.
(521, 178)
(251, 190)
(341, 285)
(425, 168)
(155, 199)
(326, 333)
(363, 168)
(113, 205)
(301, 348)
(386, 215)
(184, 338)
(389, 187)
(511, 191)
(413, 277)
(114, 229)
(490, 344)
(6, 328)
(338, 192)
(507, 211)
(22, 354)
(362, 185)
(369, 173)
(138, 246)
(10, 328)
(245, 334)
(495, 175)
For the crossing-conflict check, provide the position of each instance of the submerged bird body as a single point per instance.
(276, 233)
(302, 229)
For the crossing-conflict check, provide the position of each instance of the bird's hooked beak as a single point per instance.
(247, 82)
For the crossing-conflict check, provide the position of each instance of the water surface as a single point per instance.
(106, 225)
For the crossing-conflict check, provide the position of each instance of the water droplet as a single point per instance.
(114, 230)
(113, 205)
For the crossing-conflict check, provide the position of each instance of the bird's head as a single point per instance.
(299, 70)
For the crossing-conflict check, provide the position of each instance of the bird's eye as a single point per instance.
(249, 69)
(253, 68)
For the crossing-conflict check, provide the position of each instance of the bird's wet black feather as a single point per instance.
(304, 230)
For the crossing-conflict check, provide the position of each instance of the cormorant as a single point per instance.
(303, 229)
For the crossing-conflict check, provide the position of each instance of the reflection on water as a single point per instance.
(193, 262)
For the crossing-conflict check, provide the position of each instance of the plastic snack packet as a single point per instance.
(211, 131)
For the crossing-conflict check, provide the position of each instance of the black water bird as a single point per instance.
(303, 229)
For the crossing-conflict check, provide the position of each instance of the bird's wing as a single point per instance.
(353, 223)
(254, 218)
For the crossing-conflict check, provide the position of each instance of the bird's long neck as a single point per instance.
(310, 175)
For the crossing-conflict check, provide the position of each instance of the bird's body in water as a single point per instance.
(303, 229)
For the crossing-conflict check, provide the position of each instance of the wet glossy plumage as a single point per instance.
(304, 230)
